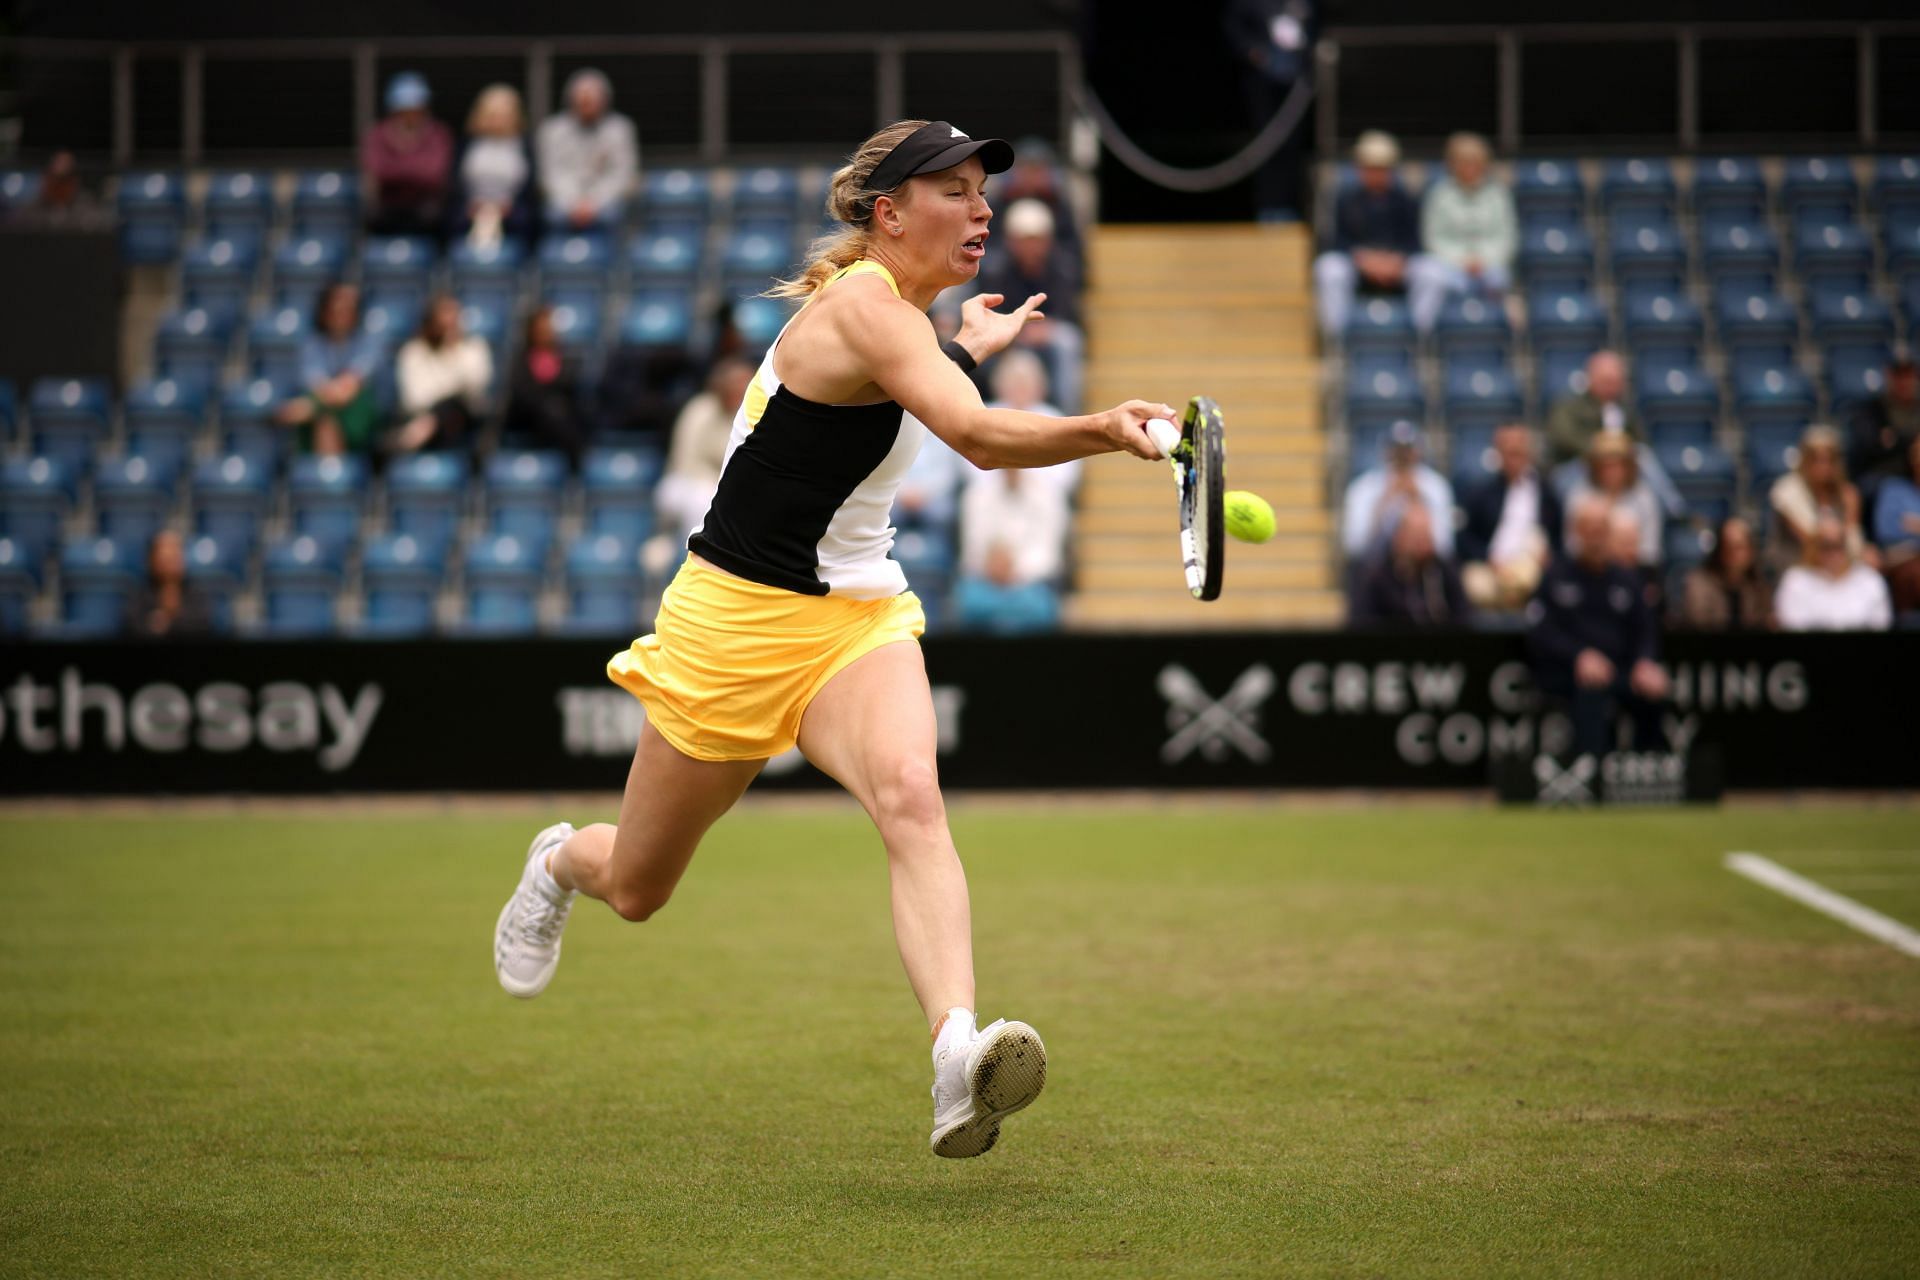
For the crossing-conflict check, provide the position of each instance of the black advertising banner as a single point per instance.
(1288, 709)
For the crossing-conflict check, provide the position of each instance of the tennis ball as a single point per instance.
(1249, 518)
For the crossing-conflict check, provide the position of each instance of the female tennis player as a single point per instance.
(789, 623)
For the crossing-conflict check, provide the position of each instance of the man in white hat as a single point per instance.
(1032, 263)
(1375, 243)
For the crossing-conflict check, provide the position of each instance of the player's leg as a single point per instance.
(670, 802)
(872, 729)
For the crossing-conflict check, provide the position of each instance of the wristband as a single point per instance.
(960, 355)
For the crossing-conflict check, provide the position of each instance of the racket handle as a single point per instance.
(1164, 434)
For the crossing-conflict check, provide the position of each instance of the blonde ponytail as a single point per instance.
(851, 204)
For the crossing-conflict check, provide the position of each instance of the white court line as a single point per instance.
(1825, 901)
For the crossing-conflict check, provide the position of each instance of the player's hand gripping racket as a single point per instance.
(1197, 451)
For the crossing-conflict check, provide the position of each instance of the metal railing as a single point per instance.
(714, 55)
(1509, 45)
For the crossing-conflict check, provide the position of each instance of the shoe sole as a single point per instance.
(1008, 1075)
(507, 984)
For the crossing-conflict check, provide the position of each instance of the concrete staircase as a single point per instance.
(1224, 310)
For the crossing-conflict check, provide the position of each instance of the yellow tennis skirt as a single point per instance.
(732, 665)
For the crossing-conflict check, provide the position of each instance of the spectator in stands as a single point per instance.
(493, 178)
(1896, 528)
(1019, 381)
(1013, 544)
(336, 413)
(1375, 246)
(589, 156)
(1376, 499)
(1594, 641)
(543, 391)
(1626, 544)
(1727, 591)
(1884, 428)
(1272, 44)
(1816, 487)
(1032, 264)
(1832, 590)
(1613, 475)
(1510, 526)
(1574, 421)
(1036, 176)
(406, 159)
(1409, 583)
(700, 436)
(444, 375)
(166, 604)
(63, 201)
(1468, 228)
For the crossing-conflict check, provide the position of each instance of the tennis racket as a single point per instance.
(1197, 451)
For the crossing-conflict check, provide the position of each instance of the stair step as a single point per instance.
(1175, 609)
(1120, 523)
(1147, 575)
(1095, 545)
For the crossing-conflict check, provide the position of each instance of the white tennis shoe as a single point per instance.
(980, 1082)
(526, 941)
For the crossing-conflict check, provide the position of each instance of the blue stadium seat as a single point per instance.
(503, 584)
(1641, 183)
(1900, 238)
(19, 584)
(1481, 394)
(1729, 184)
(1704, 475)
(1549, 191)
(1556, 254)
(670, 251)
(1856, 372)
(759, 320)
(35, 496)
(1838, 252)
(304, 266)
(1562, 373)
(658, 318)
(1676, 391)
(163, 416)
(152, 211)
(766, 190)
(1472, 324)
(1686, 545)
(217, 274)
(488, 317)
(392, 317)
(18, 188)
(132, 497)
(604, 583)
(192, 344)
(574, 264)
(301, 579)
(1751, 359)
(1474, 458)
(1655, 255)
(676, 194)
(1772, 450)
(1384, 391)
(524, 491)
(487, 271)
(1823, 180)
(576, 325)
(231, 495)
(326, 495)
(1364, 364)
(1841, 316)
(1780, 394)
(71, 419)
(1566, 320)
(396, 266)
(1679, 431)
(758, 250)
(274, 338)
(239, 204)
(402, 575)
(1380, 323)
(217, 569)
(425, 495)
(326, 202)
(619, 491)
(1896, 183)
(1756, 317)
(1666, 320)
(247, 421)
(97, 576)
(1746, 251)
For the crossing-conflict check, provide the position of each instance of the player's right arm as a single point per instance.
(895, 346)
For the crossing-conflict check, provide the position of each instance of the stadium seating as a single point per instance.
(36, 495)
(98, 576)
(503, 584)
(1549, 191)
(239, 205)
(301, 581)
(397, 268)
(604, 583)
(619, 487)
(402, 575)
(132, 497)
(19, 584)
(676, 194)
(325, 497)
(326, 203)
(425, 494)
(152, 214)
(231, 496)
(766, 191)
(193, 344)
(217, 569)
(72, 418)
(1725, 185)
(163, 417)
(303, 266)
(666, 252)
(218, 272)
(524, 488)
